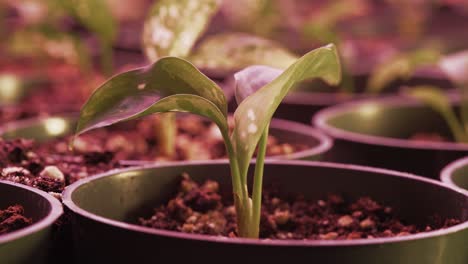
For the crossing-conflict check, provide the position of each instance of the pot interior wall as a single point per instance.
(34, 205)
(460, 177)
(387, 121)
(293, 138)
(127, 195)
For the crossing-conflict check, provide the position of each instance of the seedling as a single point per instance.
(400, 66)
(173, 28)
(50, 39)
(172, 84)
(456, 68)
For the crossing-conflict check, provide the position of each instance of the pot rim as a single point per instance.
(321, 98)
(56, 210)
(320, 119)
(446, 175)
(70, 204)
(335, 96)
(324, 142)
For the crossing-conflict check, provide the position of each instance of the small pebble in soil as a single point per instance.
(200, 209)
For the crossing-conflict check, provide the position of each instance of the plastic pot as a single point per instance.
(105, 206)
(456, 174)
(376, 133)
(300, 106)
(31, 244)
(43, 129)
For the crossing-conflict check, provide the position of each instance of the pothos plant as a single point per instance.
(173, 84)
(172, 28)
(455, 66)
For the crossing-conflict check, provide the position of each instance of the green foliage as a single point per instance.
(173, 27)
(96, 16)
(174, 85)
(400, 66)
(439, 102)
(50, 40)
(230, 52)
(256, 111)
(131, 93)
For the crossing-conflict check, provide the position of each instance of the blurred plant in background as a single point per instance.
(55, 29)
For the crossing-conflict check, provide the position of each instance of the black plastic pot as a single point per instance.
(376, 133)
(300, 106)
(456, 174)
(105, 206)
(42, 129)
(31, 244)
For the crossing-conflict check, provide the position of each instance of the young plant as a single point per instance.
(50, 38)
(174, 85)
(400, 66)
(103, 25)
(173, 28)
(455, 66)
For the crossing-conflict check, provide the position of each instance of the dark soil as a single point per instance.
(203, 210)
(24, 161)
(13, 218)
(431, 137)
(50, 166)
(197, 139)
(63, 88)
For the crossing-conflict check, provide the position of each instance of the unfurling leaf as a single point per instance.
(439, 102)
(173, 27)
(255, 112)
(131, 93)
(455, 66)
(227, 53)
(252, 78)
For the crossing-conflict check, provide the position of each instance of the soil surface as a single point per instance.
(197, 139)
(50, 166)
(22, 161)
(201, 209)
(13, 218)
(58, 88)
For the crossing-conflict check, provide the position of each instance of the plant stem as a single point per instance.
(240, 192)
(257, 185)
(464, 106)
(166, 132)
(455, 125)
(347, 81)
(106, 57)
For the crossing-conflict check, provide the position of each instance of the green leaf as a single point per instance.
(97, 17)
(132, 93)
(439, 102)
(226, 53)
(94, 15)
(252, 78)
(173, 27)
(455, 66)
(255, 112)
(400, 66)
(259, 17)
(189, 103)
(50, 43)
